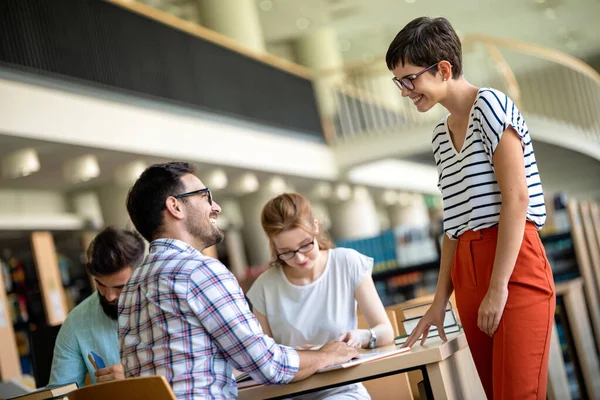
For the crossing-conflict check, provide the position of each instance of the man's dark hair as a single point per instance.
(113, 250)
(146, 199)
(425, 41)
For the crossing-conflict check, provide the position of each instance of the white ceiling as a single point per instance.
(53, 156)
(369, 26)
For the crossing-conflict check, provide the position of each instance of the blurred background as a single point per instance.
(266, 97)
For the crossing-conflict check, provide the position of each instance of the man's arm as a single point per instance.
(68, 365)
(331, 353)
(216, 298)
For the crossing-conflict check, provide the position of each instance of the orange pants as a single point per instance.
(513, 364)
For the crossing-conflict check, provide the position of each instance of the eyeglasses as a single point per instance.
(288, 255)
(195, 192)
(407, 81)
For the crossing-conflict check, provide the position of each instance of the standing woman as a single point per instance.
(310, 296)
(492, 255)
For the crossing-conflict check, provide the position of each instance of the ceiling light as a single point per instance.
(20, 163)
(127, 174)
(322, 190)
(216, 179)
(540, 1)
(389, 197)
(247, 183)
(266, 5)
(361, 193)
(343, 192)
(410, 1)
(81, 169)
(276, 184)
(302, 23)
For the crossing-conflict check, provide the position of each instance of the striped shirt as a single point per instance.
(467, 178)
(183, 315)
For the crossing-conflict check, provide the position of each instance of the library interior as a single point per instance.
(311, 199)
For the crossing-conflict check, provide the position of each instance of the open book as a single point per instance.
(48, 393)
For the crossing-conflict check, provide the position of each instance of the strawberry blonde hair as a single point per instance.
(286, 212)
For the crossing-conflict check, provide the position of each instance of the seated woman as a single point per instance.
(311, 293)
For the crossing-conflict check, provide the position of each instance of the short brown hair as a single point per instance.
(286, 212)
(425, 41)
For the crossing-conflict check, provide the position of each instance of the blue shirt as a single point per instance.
(87, 328)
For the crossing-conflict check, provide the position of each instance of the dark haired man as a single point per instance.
(183, 315)
(92, 325)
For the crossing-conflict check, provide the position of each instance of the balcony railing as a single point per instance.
(543, 82)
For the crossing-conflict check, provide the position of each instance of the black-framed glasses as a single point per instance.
(195, 192)
(407, 81)
(305, 248)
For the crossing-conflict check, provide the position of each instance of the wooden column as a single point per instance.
(46, 262)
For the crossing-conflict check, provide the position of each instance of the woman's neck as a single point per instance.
(460, 98)
(307, 276)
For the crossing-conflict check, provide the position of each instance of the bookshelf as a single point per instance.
(42, 280)
(406, 262)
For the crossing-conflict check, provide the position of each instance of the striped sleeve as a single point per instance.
(496, 113)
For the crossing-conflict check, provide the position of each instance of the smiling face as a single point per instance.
(298, 248)
(429, 87)
(201, 216)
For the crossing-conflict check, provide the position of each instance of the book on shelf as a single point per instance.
(411, 324)
(58, 392)
(415, 311)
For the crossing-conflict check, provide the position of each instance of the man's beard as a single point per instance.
(208, 235)
(111, 310)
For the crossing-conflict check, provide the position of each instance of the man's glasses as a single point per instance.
(195, 192)
(288, 255)
(407, 81)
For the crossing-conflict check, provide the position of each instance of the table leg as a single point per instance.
(455, 378)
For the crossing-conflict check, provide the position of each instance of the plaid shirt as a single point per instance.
(183, 315)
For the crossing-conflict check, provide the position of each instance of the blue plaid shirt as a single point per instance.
(183, 315)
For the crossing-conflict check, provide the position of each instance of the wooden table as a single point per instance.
(448, 373)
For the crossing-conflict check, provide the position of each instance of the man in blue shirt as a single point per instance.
(92, 325)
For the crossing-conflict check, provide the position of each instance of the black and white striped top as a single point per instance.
(467, 179)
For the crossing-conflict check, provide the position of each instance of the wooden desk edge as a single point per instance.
(433, 352)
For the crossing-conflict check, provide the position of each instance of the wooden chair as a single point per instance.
(390, 387)
(147, 387)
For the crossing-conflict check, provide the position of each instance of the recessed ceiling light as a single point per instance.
(302, 23)
(266, 5)
(410, 1)
(540, 1)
